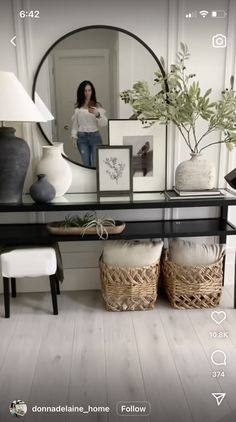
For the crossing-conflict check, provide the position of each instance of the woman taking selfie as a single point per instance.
(87, 118)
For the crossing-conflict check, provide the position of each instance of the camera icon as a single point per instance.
(219, 41)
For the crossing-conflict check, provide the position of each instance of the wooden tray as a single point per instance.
(56, 228)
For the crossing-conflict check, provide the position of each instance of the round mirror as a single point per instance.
(112, 59)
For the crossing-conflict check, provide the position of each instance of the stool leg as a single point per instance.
(57, 285)
(53, 293)
(13, 287)
(6, 296)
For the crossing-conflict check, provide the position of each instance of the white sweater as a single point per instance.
(83, 121)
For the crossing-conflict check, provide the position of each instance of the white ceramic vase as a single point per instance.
(56, 168)
(195, 174)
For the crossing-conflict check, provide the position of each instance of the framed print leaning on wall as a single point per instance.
(149, 151)
(114, 170)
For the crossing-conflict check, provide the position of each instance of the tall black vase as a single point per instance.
(14, 162)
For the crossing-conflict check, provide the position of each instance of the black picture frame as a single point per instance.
(102, 185)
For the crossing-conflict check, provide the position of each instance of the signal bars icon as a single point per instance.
(191, 15)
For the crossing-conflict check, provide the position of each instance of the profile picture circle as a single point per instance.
(18, 408)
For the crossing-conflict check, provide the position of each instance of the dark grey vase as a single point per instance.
(42, 190)
(14, 162)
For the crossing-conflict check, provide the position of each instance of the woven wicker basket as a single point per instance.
(193, 286)
(129, 289)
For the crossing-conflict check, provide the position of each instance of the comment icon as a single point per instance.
(218, 357)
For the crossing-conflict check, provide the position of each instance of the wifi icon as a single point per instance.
(203, 13)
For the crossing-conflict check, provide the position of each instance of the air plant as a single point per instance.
(88, 221)
(100, 225)
(76, 220)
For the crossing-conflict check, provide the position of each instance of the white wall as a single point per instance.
(161, 25)
(135, 63)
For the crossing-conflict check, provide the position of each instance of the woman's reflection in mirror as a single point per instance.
(88, 116)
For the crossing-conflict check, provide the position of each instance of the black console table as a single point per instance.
(36, 234)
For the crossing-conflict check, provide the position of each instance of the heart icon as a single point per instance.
(218, 316)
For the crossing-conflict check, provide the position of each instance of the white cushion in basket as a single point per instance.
(135, 253)
(185, 252)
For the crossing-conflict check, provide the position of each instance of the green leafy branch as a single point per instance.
(184, 104)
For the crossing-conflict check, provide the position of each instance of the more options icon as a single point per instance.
(219, 41)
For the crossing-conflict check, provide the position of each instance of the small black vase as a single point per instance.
(42, 190)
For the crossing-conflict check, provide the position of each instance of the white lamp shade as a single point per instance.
(15, 104)
(43, 108)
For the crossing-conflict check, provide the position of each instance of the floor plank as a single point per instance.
(192, 365)
(203, 325)
(88, 356)
(124, 375)
(18, 366)
(162, 381)
(88, 372)
(52, 372)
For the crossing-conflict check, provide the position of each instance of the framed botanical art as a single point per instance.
(114, 170)
(148, 151)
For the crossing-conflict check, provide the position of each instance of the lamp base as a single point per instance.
(14, 162)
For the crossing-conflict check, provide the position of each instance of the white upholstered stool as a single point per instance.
(29, 262)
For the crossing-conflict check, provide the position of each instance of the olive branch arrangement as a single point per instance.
(179, 99)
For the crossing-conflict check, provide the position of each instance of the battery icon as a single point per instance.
(218, 14)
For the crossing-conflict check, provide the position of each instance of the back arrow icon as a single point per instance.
(12, 40)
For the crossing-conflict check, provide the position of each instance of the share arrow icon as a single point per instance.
(219, 397)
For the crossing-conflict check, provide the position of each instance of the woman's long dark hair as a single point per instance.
(81, 97)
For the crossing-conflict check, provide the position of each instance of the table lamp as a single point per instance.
(15, 106)
(42, 108)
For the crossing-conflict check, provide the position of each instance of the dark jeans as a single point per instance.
(87, 143)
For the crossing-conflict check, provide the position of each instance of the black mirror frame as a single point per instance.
(84, 28)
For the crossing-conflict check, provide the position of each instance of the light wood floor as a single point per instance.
(87, 355)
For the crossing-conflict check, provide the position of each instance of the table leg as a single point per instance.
(223, 238)
(235, 281)
(6, 296)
